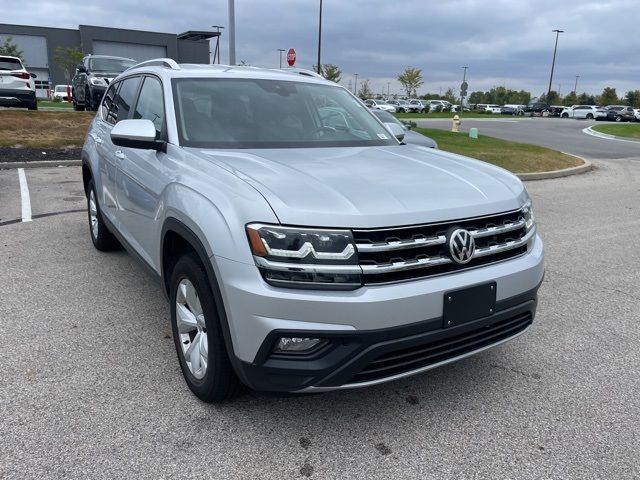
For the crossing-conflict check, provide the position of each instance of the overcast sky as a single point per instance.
(504, 42)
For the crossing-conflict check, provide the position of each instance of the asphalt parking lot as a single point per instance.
(91, 388)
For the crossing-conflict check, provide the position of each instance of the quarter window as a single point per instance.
(150, 105)
(125, 97)
(108, 104)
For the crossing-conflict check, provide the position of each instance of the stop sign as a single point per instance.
(291, 57)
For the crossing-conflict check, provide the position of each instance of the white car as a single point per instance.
(61, 92)
(636, 113)
(421, 105)
(380, 105)
(17, 88)
(493, 108)
(579, 111)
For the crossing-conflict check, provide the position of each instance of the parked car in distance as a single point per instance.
(555, 110)
(579, 111)
(93, 76)
(616, 113)
(493, 108)
(380, 105)
(61, 92)
(636, 114)
(512, 110)
(410, 137)
(438, 105)
(421, 105)
(17, 88)
(536, 108)
(299, 255)
(402, 106)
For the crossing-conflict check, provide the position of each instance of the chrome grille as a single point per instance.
(402, 253)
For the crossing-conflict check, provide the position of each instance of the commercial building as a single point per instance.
(38, 45)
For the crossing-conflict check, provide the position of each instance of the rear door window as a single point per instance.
(125, 97)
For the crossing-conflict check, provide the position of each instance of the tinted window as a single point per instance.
(125, 97)
(150, 104)
(110, 64)
(10, 64)
(108, 104)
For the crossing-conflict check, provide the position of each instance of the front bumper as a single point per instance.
(17, 97)
(357, 322)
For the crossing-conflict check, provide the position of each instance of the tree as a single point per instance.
(10, 49)
(584, 99)
(365, 90)
(450, 95)
(67, 58)
(609, 96)
(411, 79)
(570, 99)
(331, 72)
(552, 99)
(633, 98)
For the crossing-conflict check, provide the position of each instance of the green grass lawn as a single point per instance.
(630, 130)
(514, 156)
(48, 104)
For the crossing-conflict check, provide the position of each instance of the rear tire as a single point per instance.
(618, 118)
(101, 237)
(565, 115)
(34, 105)
(197, 333)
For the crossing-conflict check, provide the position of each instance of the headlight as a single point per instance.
(529, 218)
(98, 81)
(305, 258)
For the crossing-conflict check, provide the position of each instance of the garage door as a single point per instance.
(129, 50)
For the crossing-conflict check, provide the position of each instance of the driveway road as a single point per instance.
(562, 134)
(90, 386)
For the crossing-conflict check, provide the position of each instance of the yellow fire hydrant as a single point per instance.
(455, 124)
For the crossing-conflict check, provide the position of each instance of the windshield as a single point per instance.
(110, 64)
(257, 113)
(10, 64)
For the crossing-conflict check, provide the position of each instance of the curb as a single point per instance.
(41, 164)
(587, 166)
(606, 136)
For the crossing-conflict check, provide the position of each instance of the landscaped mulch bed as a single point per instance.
(25, 154)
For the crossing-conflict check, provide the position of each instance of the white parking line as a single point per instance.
(24, 195)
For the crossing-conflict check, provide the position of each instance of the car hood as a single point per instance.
(369, 187)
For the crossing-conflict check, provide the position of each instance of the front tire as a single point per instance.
(618, 119)
(589, 116)
(101, 237)
(197, 333)
(565, 115)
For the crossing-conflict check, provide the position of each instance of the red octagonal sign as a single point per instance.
(291, 57)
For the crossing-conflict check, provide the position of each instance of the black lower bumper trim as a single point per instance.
(355, 357)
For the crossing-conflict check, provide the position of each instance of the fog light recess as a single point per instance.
(298, 344)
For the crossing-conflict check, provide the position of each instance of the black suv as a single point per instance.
(93, 76)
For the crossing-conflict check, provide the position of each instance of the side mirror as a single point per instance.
(81, 68)
(395, 130)
(33, 75)
(138, 133)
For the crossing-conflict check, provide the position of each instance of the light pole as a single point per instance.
(388, 85)
(463, 87)
(281, 50)
(232, 33)
(319, 38)
(355, 88)
(553, 63)
(575, 87)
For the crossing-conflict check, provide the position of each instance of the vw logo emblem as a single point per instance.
(461, 246)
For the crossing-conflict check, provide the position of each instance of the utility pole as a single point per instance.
(553, 63)
(575, 87)
(319, 39)
(216, 52)
(388, 85)
(355, 88)
(281, 50)
(232, 33)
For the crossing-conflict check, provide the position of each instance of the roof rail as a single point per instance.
(299, 71)
(158, 62)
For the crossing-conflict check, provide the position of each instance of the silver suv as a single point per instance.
(299, 256)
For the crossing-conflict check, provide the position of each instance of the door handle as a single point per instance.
(119, 154)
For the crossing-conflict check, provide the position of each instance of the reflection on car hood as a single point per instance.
(371, 187)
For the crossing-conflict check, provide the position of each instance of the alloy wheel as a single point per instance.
(192, 329)
(93, 214)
